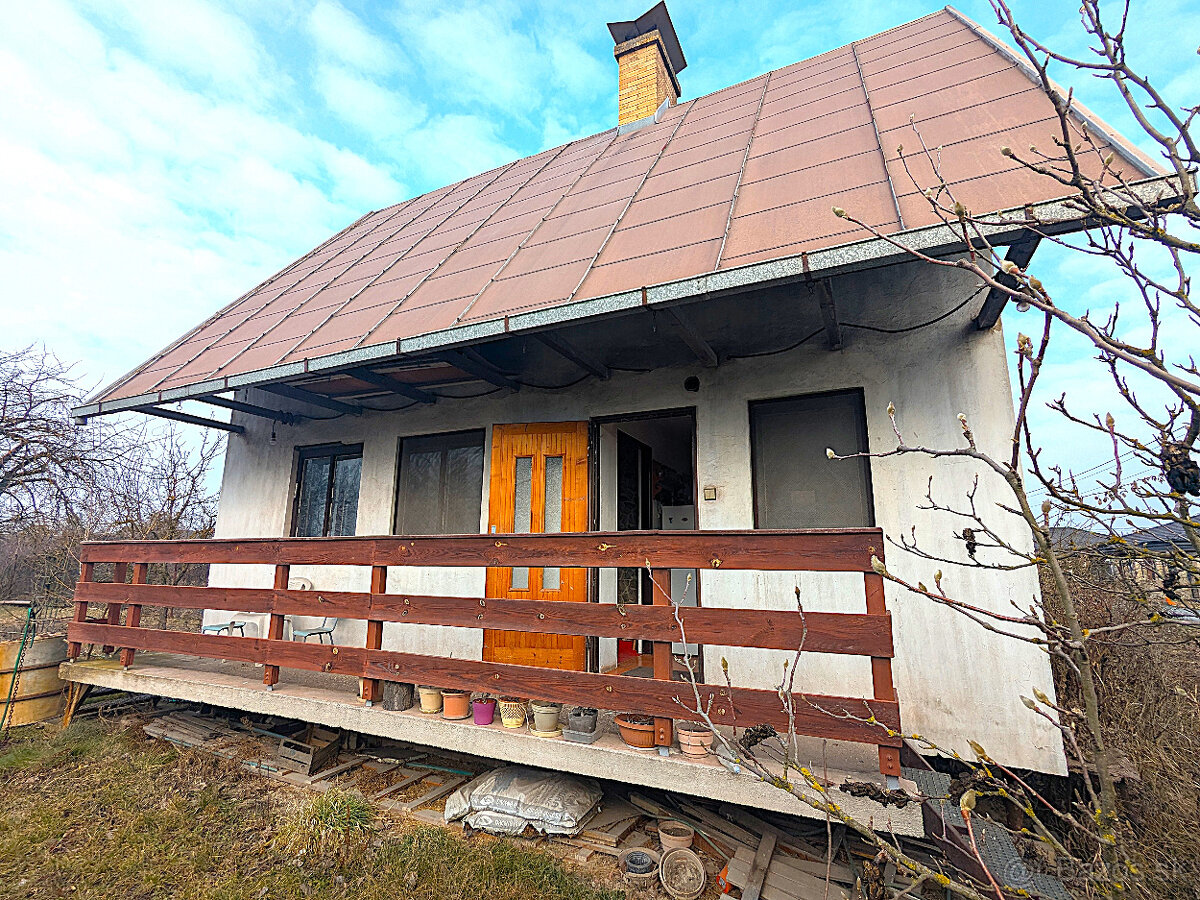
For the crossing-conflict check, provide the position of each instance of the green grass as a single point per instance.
(97, 811)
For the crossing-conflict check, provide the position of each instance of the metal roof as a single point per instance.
(725, 183)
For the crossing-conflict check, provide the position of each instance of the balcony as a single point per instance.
(326, 682)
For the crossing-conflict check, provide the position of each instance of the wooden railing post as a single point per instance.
(275, 627)
(371, 689)
(133, 617)
(663, 727)
(881, 678)
(113, 617)
(86, 574)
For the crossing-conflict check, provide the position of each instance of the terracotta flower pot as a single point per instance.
(455, 704)
(483, 710)
(694, 739)
(545, 716)
(636, 731)
(672, 834)
(431, 699)
(512, 712)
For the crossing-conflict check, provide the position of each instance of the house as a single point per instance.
(650, 336)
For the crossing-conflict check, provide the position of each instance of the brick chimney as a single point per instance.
(649, 60)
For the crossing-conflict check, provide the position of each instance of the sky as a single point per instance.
(160, 159)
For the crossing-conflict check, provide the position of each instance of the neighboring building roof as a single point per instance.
(1067, 537)
(741, 176)
(1169, 537)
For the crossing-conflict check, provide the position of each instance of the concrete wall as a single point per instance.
(955, 681)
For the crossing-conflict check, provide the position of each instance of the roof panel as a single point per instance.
(615, 212)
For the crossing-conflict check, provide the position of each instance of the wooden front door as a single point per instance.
(539, 484)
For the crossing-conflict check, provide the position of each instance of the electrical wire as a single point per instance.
(803, 340)
(919, 326)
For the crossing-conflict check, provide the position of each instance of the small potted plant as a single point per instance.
(483, 710)
(695, 739)
(545, 716)
(456, 704)
(512, 712)
(582, 719)
(636, 731)
(431, 699)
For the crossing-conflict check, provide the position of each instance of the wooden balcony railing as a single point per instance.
(874, 720)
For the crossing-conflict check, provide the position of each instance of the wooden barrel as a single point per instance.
(40, 692)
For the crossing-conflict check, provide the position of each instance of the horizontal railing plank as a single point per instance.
(857, 634)
(826, 550)
(836, 718)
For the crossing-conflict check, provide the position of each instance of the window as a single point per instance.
(795, 484)
(327, 491)
(440, 489)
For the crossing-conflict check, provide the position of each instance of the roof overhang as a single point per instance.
(1000, 229)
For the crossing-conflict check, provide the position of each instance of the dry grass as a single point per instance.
(96, 811)
(1150, 705)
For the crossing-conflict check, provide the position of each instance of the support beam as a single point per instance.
(391, 384)
(569, 353)
(190, 420)
(1019, 252)
(303, 396)
(473, 364)
(703, 350)
(275, 415)
(823, 292)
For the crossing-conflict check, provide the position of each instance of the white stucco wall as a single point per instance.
(955, 681)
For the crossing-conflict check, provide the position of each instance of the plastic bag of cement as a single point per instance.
(504, 800)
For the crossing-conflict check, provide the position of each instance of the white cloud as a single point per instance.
(132, 207)
(340, 35)
(458, 146)
(197, 39)
(376, 111)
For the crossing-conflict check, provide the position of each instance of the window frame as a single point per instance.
(482, 434)
(857, 392)
(332, 452)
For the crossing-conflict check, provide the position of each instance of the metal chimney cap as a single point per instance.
(655, 18)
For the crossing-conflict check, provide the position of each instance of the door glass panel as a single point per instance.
(553, 511)
(522, 513)
(314, 491)
(343, 509)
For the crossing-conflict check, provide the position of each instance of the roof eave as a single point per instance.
(1058, 216)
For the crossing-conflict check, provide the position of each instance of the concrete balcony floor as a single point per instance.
(332, 700)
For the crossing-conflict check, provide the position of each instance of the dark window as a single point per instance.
(327, 491)
(440, 489)
(796, 485)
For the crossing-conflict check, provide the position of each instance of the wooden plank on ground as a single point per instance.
(409, 777)
(435, 793)
(752, 889)
(337, 770)
(783, 882)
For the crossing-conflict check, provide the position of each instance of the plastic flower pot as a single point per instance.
(483, 711)
(431, 699)
(636, 731)
(455, 704)
(582, 719)
(545, 716)
(694, 739)
(512, 712)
